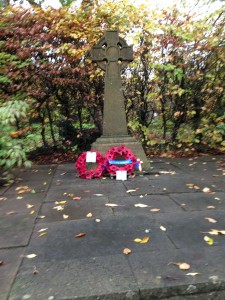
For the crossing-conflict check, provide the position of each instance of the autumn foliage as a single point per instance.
(52, 94)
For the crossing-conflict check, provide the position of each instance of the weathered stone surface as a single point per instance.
(106, 277)
(11, 259)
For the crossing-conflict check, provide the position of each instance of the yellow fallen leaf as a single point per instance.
(32, 212)
(193, 274)
(42, 234)
(65, 216)
(210, 207)
(126, 251)
(89, 215)
(60, 202)
(142, 241)
(216, 232)
(208, 240)
(211, 220)
(190, 184)
(155, 209)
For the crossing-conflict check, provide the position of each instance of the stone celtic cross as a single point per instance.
(112, 54)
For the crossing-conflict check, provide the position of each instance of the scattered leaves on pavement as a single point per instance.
(80, 235)
(126, 251)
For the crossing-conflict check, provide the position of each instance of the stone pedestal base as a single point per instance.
(104, 143)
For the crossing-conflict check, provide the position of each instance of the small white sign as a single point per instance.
(121, 175)
(91, 157)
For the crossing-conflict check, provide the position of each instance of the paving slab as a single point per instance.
(95, 189)
(108, 237)
(11, 259)
(15, 230)
(200, 201)
(155, 203)
(75, 209)
(188, 229)
(106, 277)
(159, 278)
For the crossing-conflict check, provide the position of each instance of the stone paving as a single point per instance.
(47, 206)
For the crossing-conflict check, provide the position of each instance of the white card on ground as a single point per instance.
(121, 175)
(91, 157)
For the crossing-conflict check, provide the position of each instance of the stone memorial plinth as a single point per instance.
(112, 54)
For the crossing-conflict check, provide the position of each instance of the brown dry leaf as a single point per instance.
(22, 188)
(155, 209)
(80, 235)
(210, 207)
(211, 220)
(126, 251)
(24, 191)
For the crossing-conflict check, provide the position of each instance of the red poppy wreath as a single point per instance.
(129, 163)
(88, 174)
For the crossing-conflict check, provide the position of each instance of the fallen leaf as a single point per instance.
(196, 187)
(216, 198)
(33, 192)
(76, 198)
(193, 274)
(22, 188)
(140, 205)
(19, 197)
(206, 190)
(210, 207)
(42, 234)
(29, 205)
(24, 191)
(211, 220)
(190, 184)
(61, 202)
(216, 232)
(31, 255)
(11, 213)
(142, 241)
(1, 263)
(98, 195)
(129, 191)
(155, 209)
(208, 240)
(183, 265)
(58, 207)
(32, 212)
(35, 271)
(65, 216)
(40, 217)
(43, 229)
(89, 215)
(111, 205)
(126, 251)
(69, 195)
(80, 235)
(162, 228)
(97, 220)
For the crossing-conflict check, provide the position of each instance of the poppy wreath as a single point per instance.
(130, 160)
(88, 174)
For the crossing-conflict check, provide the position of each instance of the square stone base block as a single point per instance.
(104, 143)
